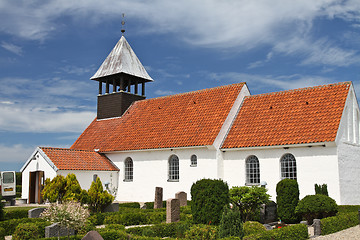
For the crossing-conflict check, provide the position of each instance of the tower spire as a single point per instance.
(122, 24)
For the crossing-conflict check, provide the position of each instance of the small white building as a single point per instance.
(308, 134)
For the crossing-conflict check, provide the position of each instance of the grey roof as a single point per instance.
(122, 59)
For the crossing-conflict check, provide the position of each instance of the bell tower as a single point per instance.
(121, 79)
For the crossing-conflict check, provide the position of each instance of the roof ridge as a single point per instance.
(69, 149)
(299, 89)
(192, 92)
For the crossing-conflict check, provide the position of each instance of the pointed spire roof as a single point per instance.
(122, 59)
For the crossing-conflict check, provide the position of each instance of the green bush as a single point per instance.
(112, 234)
(72, 237)
(316, 206)
(25, 231)
(2, 233)
(209, 196)
(253, 228)
(201, 232)
(321, 189)
(99, 198)
(10, 225)
(292, 232)
(231, 223)
(16, 214)
(129, 205)
(348, 208)
(127, 219)
(287, 191)
(54, 190)
(339, 222)
(150, 205)
(2, 214)
(249, 200)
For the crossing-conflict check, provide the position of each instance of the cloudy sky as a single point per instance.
(50, 49)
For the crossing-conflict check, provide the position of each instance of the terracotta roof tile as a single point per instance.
(68, 159)
(182, 120)
(306, 115)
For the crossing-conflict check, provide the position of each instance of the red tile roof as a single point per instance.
(307, 115)
(182, 120)
(68, 159)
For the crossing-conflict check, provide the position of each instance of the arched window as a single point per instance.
(173, 169)
(252, 170)
(193, 160)
(129, 168)
(288, 166)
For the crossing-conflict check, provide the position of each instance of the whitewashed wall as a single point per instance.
(85, 178)
(151, 171)
(37, 164)
(314, 165)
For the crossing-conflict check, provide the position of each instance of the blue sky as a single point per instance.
(50, 49)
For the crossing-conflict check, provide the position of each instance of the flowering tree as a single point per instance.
(70, 215)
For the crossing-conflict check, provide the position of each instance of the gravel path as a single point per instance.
(347, 234)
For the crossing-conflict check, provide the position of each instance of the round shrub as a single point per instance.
(316, 206)
(25, 231)
(231, 223)
(251, 227)
(201, 232)
(287, 191)
(209, 196)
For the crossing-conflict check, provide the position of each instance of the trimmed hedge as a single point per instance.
(201, 232)
(175, 230)
(150, 205)
(16, 214)
(348, 208)
(27, 231)
(136, 218)
(129, 205)
(292, 232)
(10, 225)
(339, 222)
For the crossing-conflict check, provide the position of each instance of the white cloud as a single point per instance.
(164, 92)
(238, 25)
(12, 48)
(15, 154)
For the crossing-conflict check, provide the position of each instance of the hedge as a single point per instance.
(292, 232)
(16, 214)
(339, 222)
(10, 225)
(348, 208)
(136, 218)
(129, 205)
(176, 230)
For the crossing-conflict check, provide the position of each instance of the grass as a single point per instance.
(11, 209)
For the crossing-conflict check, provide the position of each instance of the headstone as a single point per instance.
(35, 212)
(182, 196)
(55, 230)
(158, 203)
(92, 235)
(270, 212)
(317, 227)
(268, 227)
(172, 210)
(304, 222)
(114, 207)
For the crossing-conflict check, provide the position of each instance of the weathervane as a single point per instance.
(123, 23)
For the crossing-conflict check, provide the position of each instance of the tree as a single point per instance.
(248, 200)
(72, 188)
(209, 196)
(287, 199)
(54, 190)
(98, 199)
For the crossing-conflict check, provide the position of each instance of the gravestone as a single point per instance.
(317, 227)
(35, 212)
(92, 235)
(182, 196)
(268, 212)
(114, 207)
(158, 203)
(55, 230)
(172, 210)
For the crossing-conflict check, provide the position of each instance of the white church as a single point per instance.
(136, 144)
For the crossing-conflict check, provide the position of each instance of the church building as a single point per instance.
(136, 144)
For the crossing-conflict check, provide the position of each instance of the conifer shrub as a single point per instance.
(316, 206)
(321, 189)
(98, 198)
(209, 196)
(231, 224)
(287, 191)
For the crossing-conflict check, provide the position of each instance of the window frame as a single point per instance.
(193, 160)
(252, 163)
(173, 168)
(288, 167)
(128, 170)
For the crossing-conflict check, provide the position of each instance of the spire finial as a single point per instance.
(123, 23)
